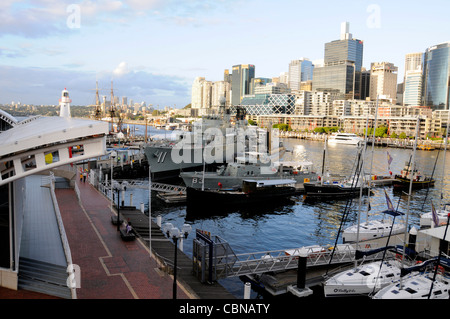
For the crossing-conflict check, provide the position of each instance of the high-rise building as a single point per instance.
(299, 71)
(413, 61)
(241, 78)
(413, 88)
(436, 77)
(383, 80)
(365, 84)
(341, 71)
(197, 90)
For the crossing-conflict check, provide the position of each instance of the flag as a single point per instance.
(388, 202)
(434, 215)
(389, 158)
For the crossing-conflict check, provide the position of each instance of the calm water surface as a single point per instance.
(302, 223)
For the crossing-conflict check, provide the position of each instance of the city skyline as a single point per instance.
(153, 50)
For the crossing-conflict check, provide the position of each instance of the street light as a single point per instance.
(112, 156)
(175, 234)
(119, 187)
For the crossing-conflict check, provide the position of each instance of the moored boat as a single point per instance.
(251, 192)
(403, 180)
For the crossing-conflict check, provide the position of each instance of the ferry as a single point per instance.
(345, 138)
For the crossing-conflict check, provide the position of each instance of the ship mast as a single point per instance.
(98, 110)
(112, 110)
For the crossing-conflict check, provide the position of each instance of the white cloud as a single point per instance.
(121, 69)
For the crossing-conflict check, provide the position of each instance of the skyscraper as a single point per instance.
(413, 88)
(436, 77)
(341, 73)
(299, 71)
(241, 78)
(383, 80)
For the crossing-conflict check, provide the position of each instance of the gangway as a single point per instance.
(159, 187)
(214, 258)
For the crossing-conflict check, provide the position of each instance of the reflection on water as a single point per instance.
(301, 223)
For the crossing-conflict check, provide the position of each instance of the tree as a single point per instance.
(402, 135)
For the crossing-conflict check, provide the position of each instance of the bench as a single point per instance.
(127, 236)
(114, 220)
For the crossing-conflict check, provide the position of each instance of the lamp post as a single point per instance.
(119, 188)
(112, 156)
(175, 234)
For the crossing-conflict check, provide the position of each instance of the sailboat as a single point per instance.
(434, 284)
(369, 278)
(420, 282)
(338, 189)
(375, 228)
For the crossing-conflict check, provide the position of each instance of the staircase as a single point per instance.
(43, 277)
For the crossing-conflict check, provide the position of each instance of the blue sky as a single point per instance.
(153, 50)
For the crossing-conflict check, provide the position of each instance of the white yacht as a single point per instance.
(417, 286)
(372, 229)
(345, 138)
(363, 280)
(442, 214)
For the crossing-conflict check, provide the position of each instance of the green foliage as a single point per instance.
(282, 127)
(402, 135)
(252, 122)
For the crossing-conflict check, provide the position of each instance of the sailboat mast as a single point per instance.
(409, 194)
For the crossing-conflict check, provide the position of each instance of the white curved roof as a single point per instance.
(8, 118)
(44, 131)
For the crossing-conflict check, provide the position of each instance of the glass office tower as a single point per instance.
(341, 72)
(436, 77)
(241, 79)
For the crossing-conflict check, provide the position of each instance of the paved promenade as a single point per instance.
(110, 268)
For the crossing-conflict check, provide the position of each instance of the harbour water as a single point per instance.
(303, 223)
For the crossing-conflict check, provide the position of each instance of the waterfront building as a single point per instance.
(300, 70)
(383, 80)
(436, 77)
(267, 104)
(241, 78)
(314, 103)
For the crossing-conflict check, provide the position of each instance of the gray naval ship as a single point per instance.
(232, 175)
(212, 134)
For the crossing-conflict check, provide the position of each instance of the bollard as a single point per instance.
(247, 290)
(301, 272)
(158, 221)
(131, 199)
(142, 207)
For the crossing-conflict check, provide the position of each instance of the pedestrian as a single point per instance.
(81, 177)
(84, 177)
(129, 228)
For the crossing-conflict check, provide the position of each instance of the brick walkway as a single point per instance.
(110, 268)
